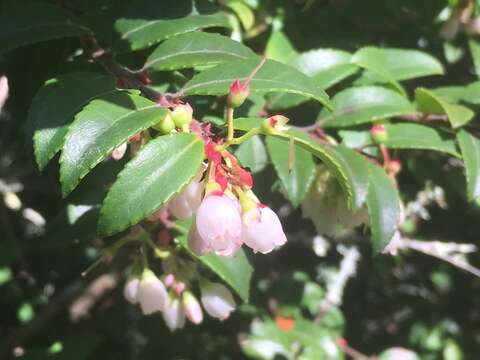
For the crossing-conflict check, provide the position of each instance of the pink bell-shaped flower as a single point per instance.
(186, 203)
(192, 308)
(130, 291)
(262, 231)
(217, 300)
(3, 90)
(173, 314)
(119, 152)
(152, 294)
(219, 225)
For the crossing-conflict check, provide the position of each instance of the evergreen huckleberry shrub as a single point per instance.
(266, 170)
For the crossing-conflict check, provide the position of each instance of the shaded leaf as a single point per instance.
(418, 136)
(430, 103)
(149, 22)
(469, 94)
(194, 49)
(475, 53)
(273, 76)
(470, 147)
(364, 104)
(103, 125)
(296, 182)
(158, 171)
(383, 207)
(252, 154)
(31, 22)
(55, 105)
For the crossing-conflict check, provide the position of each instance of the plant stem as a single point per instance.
(229, 124)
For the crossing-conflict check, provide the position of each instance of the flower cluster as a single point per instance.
(228, 214)
(171, 298)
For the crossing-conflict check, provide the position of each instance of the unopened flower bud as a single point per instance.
(119, 152)
(166, 125)
(12, 201)
(237, 94)
(182, 115)
(263, 232)
(179, 288)
(3, 91)
(219, 224)
(152, 294)
(136, 138)
(217, 300)
(275, 124)
(186, 203)
(130, 291)
(192, 308)
(169, 280)
(394, 167)
(379, 134)
(173, 314)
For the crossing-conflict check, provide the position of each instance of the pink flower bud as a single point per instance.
(217, 300)
(182, 115)
(263, 233)
(3, 91)
(184, 204)
(152, 294)
(192, 308)
(130, 291)
(179, 288)
(219, 224)
(379, 134)
(275, 124)
(169, 280)
(237, 94)
(119, 152)
(173, 314)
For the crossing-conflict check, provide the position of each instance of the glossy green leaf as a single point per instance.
(55, 106)
(158, 171)
(349, 167)
(430, 103)
(194, 49)
(419, 136)
(279, 48)
(252, 154)
(396, 64)
(149, 22)
(383, 207)
(469, 93)
(475, 53)
(236, 271)
(102, 126)
(32, 22)
(470, 147)
(297, 180)
(326, 67)
(273, 76)
(364, 104)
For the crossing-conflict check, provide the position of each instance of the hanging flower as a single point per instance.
(217, 300)
(152, 294)
(192, 308)
(186, 203)
(173, 314)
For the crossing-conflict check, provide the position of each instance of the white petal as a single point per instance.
(266, 234)
(217, 301)
(130, 291)
(174, 315)
(3, 91)
(152, 294)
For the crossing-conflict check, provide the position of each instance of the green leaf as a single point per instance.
(470, 147)
(102, 126)
(252, 154)
(326, 67)
(279, 48)
(150, 21)
(158, 171)
(396, 64)
(430, 103)
(475, 52)
(349, 167)
(236, 271)
(273, 76)
(383, 207)
(244, 13)
(31, 22)
(364, 104)
(55, 105)
(296, 182)
(418, 136)
(194, 49)
(469, 94)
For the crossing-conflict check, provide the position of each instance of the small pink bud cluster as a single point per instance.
(228, 214)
